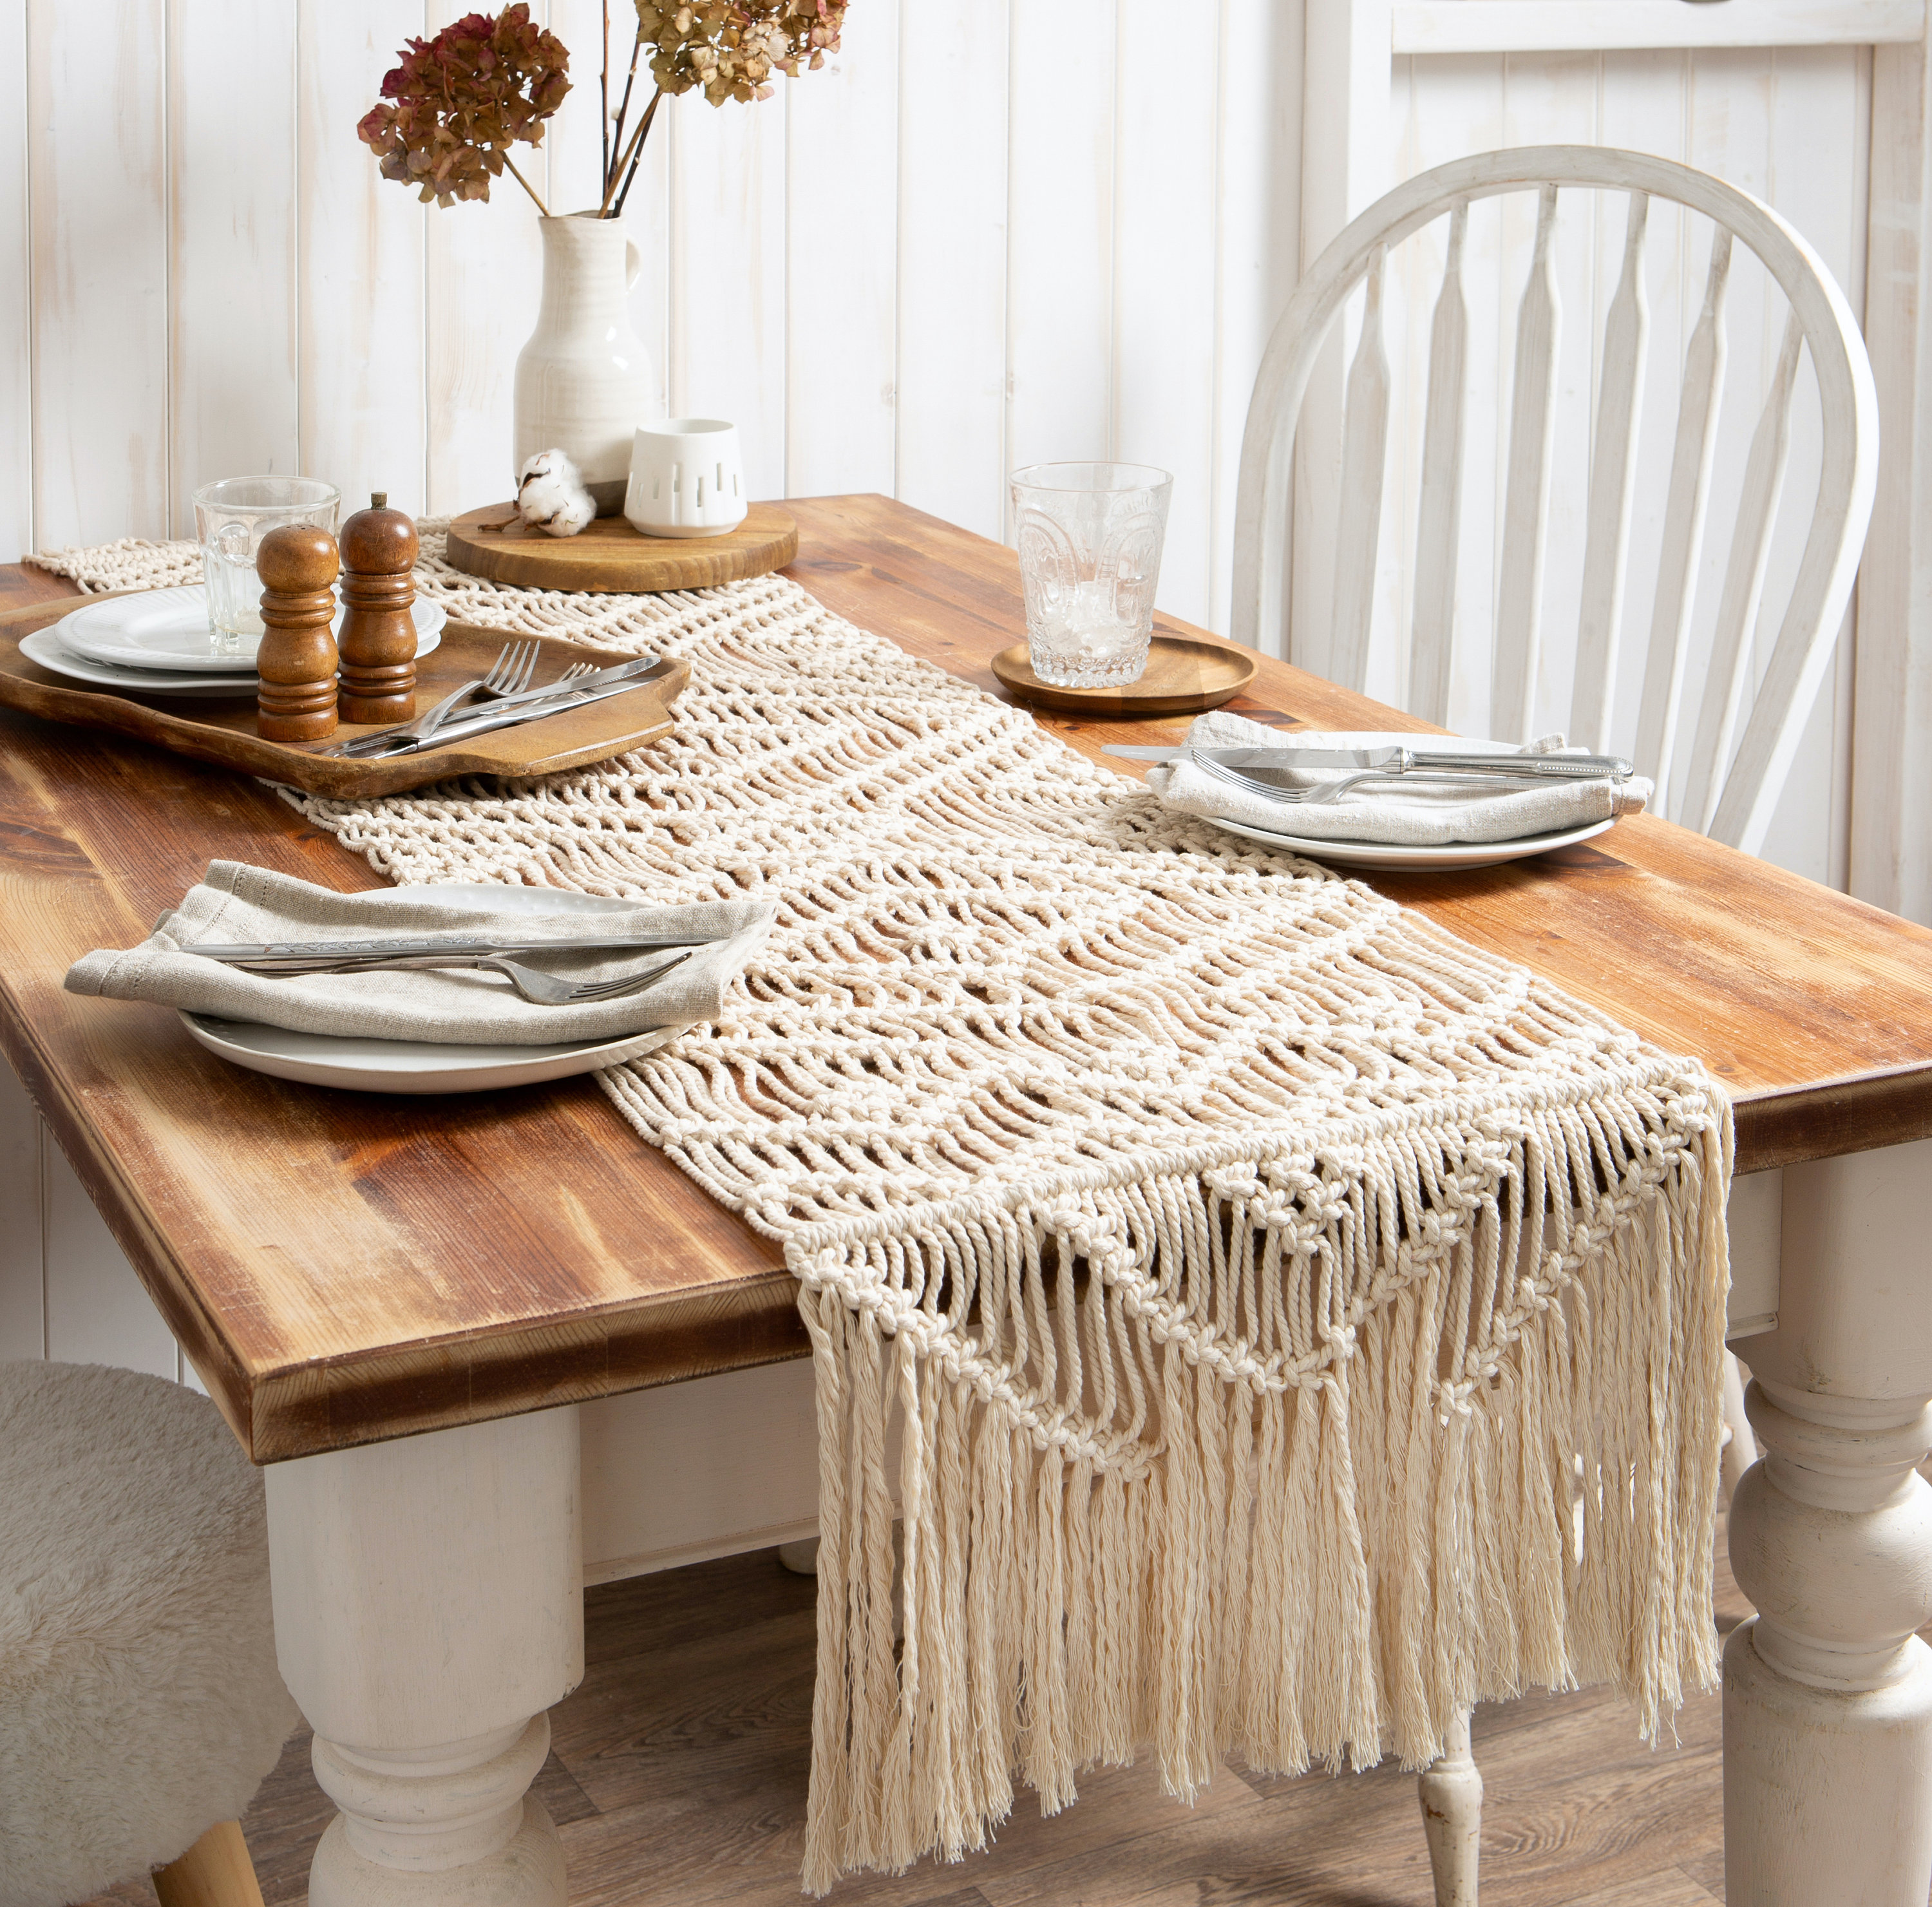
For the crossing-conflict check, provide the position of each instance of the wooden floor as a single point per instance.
(679, 1777)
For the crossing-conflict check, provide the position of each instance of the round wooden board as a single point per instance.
(610, 556)
(1183, 677)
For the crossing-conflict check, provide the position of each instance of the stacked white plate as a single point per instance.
(419, 1066)
(159, 642)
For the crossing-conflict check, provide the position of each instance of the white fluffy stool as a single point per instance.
(140, 1705)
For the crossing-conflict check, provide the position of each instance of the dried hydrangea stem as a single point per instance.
(523, 181)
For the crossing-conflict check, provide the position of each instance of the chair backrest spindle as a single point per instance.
(1439, 516)
(1686, 504)
(1364, 460)
(1718, 710)
(1612, 485)
(1745, 737)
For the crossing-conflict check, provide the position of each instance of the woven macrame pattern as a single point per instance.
(1273, 1324)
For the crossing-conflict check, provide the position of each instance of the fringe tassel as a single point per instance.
(1296, 1460)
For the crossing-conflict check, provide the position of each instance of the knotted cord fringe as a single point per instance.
(1275, 1324)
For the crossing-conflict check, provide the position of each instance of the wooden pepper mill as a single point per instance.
(296, 701)
(378, 635)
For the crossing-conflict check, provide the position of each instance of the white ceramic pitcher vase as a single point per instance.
(584, 380)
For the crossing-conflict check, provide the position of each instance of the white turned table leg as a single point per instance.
(1828, 1692)
(1451, 1792)
(428, 1610)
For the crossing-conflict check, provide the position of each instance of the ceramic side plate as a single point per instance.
(168, 629)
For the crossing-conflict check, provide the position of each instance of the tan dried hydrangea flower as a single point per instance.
(731, 48)
(457, 102)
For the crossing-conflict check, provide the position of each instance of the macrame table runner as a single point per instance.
(1276, 1324)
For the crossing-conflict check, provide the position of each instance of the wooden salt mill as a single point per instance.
(296, 701)
(378, 635)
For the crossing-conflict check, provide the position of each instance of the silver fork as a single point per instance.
(503, 678)
(1324, 791)
(541, 989)
(491, 691)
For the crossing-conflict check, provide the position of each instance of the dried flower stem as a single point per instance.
(636, 157)
(629, 157)
(612, 172)
(523, 181)
(603, 92)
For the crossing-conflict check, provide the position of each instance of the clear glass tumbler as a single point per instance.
(1090, 537)
(231, 517)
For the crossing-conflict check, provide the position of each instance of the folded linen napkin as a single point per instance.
(237, 904)
(1403, 813)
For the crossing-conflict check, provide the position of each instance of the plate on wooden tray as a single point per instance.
(1393, 860)
(1184, 675)
(167, 629)
(609, 557)
(46, 647)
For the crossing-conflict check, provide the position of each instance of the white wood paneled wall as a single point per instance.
(985, 234)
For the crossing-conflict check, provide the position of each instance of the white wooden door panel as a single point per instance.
(360, 258)
(725, 356)
(98, 254)
(1060, 245)
(842, 156)
(1259, 201)
(1167, 230)
(16, 292)
(233, 370)
(950, 421)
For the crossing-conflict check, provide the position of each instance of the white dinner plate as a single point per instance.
(1417, 860)
(168, 629)
(46, 647)
(409, 1065)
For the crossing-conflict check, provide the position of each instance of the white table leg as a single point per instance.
(429, 1609)
(1828, 1692)
(1451, 1792)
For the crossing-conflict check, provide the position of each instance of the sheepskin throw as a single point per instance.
(1275, 1323)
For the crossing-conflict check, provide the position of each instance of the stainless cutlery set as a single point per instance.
(489, 953)
(503, 699)
(1360, 764)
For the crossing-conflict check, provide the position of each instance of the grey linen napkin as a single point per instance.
(239, 904)
(1403, 813)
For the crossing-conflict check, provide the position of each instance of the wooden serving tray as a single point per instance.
(609, 556)
(223, 731)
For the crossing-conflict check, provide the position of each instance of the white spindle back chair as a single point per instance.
(1738, 763)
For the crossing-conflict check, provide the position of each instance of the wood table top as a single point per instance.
(342, 1267)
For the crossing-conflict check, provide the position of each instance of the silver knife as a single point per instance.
(1400, 761)
(499, 717)
(294, 956)
(374, 745)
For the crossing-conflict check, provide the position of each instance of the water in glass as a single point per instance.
(1089, 539)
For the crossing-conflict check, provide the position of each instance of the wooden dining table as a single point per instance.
(401, 1306)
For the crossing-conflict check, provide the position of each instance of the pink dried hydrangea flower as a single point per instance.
(457, 102)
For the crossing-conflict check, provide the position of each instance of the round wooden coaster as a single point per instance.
(1183, 677)
(610, 556)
